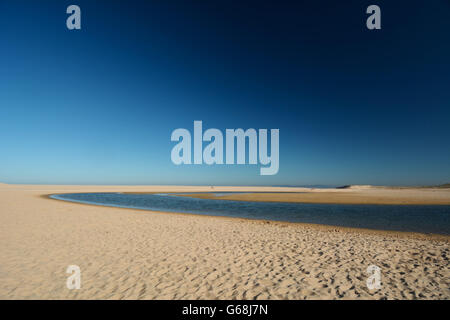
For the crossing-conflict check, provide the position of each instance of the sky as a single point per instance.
(98, 105)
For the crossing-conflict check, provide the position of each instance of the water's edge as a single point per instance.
(404, 218)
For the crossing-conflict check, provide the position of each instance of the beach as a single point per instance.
(136, 254)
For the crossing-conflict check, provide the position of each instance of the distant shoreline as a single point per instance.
(320, 198)
(351, 195)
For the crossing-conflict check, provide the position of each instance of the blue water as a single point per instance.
(424, 219)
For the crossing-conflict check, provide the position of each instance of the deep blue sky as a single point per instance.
(99, 105)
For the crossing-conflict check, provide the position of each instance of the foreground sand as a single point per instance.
(132, 254)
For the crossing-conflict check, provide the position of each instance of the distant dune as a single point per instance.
(356, 186)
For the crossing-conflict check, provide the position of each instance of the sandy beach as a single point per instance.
(135, 254)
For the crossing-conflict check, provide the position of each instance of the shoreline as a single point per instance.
(320, 227)
(324, 197)
(206, 195)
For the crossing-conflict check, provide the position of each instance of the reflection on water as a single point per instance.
(426, 219)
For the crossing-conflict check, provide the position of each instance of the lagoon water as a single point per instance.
(414, 218)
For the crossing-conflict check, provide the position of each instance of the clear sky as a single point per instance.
(98, 105)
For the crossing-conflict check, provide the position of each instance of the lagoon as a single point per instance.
(411, 218)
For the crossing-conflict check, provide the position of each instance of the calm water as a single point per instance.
(425, 219)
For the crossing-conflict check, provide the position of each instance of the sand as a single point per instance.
(353, 195)
(134, 254)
